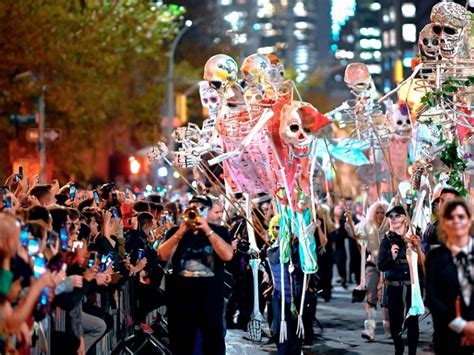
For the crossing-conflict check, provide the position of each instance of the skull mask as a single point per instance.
(400, 122)
(428, 42)
(221, 72)
(255, 68)
(357, 77)
(277, 70)
(299, 122)
(449, 21)
(210, 98)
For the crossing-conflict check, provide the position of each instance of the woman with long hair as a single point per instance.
(392, 260)
(449, 282)
(371, 230)
(337, 238)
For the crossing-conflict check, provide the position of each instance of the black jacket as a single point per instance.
(395, 270)
(442, 289)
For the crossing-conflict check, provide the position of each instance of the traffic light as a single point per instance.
(181, 108)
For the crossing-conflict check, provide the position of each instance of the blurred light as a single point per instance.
(234, 19)
(393, 38)
(377, 54)
(366, 55)
(299, 9)
(134, 165)
(341, 11)
(374, 68)
(386, 18)
(409, 10)
(301, 25)
(409, 32)
(407, 61)
(188, 23)
(372, 43)
(338, 77)
(375, 6)
(149, 188)
(176, 175)
(226, 2)
(300, 77)
(301, 54)
(370, 31)
(343, 54)
(334, 47)
(350, 38)
(162, 171)
(265, 9)
(256, 26)
(299, 35)
(392, 14)
(265, 50)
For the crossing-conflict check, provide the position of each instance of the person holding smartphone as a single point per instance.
(148, 280)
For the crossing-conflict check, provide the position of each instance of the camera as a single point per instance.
(243, 246)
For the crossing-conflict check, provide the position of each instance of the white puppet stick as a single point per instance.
(417, 307)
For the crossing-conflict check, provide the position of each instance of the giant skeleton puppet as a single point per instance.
(267, 143)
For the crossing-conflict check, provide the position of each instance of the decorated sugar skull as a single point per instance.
(399, 118)
(428, 42)
(449, 22)
(210, 98)
(298, 125)
(255, 68)
(277, 69)
(221, 72)
(357, 77)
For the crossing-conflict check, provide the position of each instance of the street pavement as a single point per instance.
(342, 323)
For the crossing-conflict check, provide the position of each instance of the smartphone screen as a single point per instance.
(115, 213)
(91, 261)
(20, 172)
(33, 247)
(72, 192)
(39, 266)
(63, 235)
(103, 265)
(24, 236)
(140, 254)
(96, 197)
(7, 200)
(77, 244)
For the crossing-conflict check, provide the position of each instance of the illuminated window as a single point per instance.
(366, 55)
(386, 39)
(386, 18)
(393, 38)
(372, 43)
(226, 2)
(374, 68)
(393, 15)
(370, 31)
(409, 32)
(299, 9)
(375, 6)
(409, 10)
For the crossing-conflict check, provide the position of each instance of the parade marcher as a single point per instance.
(449, 283)
(371, 231)
(430, 237)
(338, 238)
(198, 250)
(393, 262)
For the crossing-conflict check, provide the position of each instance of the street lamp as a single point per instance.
(167, 124)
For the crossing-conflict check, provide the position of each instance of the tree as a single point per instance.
(101, 61)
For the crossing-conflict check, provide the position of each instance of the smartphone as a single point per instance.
(64, 237)
(19, 176)
(77, 244)
(140, 254)
(7, 200)
(103, 263)
(114, 198)
(39, 266)
(115, 213)
(72, 192)
(24, 236)
(91, 261)
(39, 269)
(33, 247)
(51, 240)
(127, 193)
(164, 217)
(96, 198)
